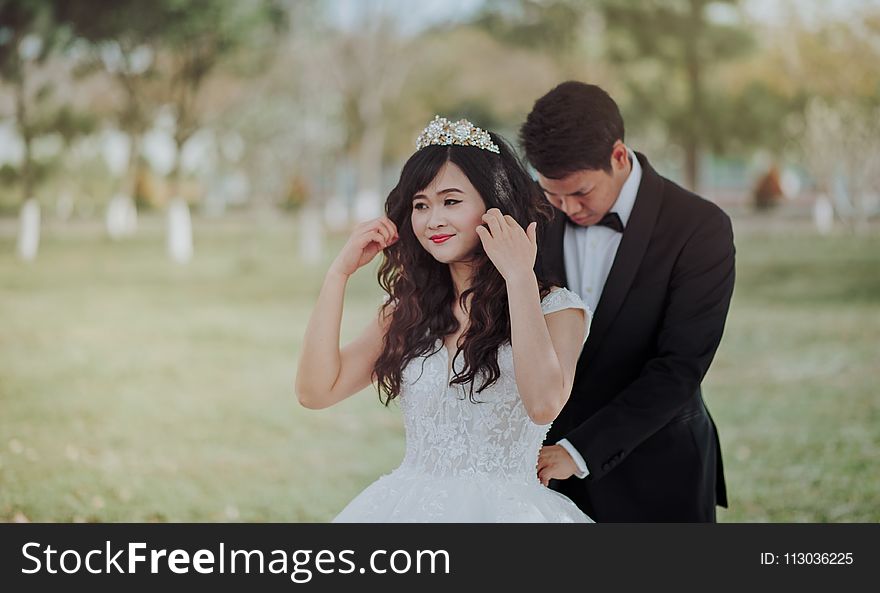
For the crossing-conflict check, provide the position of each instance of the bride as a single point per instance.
(479, 352)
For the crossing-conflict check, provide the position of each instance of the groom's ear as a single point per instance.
(619, 156)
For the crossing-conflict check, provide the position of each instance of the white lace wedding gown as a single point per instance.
(466, 461)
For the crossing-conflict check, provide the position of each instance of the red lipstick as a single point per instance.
(438, 239)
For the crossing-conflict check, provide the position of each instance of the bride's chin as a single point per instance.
(449, 259)
(469, 260)
(443, 258)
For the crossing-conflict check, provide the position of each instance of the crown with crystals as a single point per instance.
(443, 132)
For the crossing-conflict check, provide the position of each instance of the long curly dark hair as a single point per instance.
(420, 288)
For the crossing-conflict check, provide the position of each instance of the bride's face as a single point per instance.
(446, 214)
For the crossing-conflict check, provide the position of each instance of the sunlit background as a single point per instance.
(176, 175)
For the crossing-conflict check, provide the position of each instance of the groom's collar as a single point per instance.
(623, 205)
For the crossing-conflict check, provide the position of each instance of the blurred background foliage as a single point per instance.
(132, 388)
(336, 90)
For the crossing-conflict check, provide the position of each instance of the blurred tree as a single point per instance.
(369, 63)
(546, 26)
(841, 146)
(25, 38)
(662, 61)
(834, 64)
(289, 117)
(835, 58)
(556, 39)
(163, 52)
(495, 91)
(198, 36)
(123, 39)
(666, 51)
(29, 37)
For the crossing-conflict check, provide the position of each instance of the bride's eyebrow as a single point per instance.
(442, 192)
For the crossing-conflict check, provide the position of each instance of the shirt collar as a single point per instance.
(623, 205)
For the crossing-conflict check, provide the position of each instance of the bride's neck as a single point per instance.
(462, 276)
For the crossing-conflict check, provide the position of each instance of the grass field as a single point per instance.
(135, 390)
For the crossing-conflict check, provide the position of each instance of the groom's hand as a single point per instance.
(554, 463)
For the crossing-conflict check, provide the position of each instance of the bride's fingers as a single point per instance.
(511, 222)
(389, 229)
(375, 237)
(499, 219)
(484, 234)
(380, 228)
(493, 219)
(532, 232)
(391, 226)
(389, 232)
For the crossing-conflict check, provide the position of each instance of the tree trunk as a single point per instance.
(28, 230)
(29, 219)
(311, 234)
(121, 215)
(823, 215)
(27, 171)
(179, 239)
(368, 202)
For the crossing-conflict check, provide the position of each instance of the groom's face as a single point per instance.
(587, 195)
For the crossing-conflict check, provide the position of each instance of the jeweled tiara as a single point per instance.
(443, 132)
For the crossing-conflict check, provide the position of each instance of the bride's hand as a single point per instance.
(511, 249)
(367, 239)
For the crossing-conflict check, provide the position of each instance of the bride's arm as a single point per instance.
(545, 349)
(327, 374)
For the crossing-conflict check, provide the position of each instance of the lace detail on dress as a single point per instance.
(562, 298)
(448, 435)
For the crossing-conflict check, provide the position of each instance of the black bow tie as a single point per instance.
(611, 220)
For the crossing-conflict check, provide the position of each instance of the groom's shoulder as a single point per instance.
(689, 206)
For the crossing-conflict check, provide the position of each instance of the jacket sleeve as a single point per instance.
(699, 294)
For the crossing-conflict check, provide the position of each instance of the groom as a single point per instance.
(655, 263)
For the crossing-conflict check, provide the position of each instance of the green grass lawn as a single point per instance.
(132, 389)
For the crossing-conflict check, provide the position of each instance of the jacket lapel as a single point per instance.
(629, 256)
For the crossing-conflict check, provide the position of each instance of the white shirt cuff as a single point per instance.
(583, 470)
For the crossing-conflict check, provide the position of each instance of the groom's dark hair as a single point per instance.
(573, 127)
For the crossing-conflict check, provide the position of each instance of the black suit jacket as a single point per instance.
(636, 412)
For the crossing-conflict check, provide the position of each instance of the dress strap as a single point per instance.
(562, 298)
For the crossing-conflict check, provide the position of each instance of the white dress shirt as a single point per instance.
(588, 252)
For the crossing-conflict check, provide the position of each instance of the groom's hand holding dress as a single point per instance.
(554, 463)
